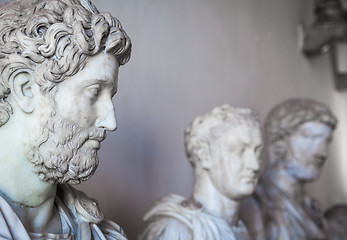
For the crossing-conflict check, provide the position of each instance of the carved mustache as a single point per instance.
(97, 135)
(82, 137)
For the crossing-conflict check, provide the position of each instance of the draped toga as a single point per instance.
(80, 217)
(168, 218)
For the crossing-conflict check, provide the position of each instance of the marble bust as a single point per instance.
(297, 136)
(59, 62)
(223, 147)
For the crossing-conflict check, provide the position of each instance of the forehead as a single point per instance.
(102, 64)
(313, 128)
(102, 67)
(248, 134)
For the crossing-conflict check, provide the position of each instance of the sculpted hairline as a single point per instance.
(206, 128)
(277, 127)
(285, 118)
(55, 40)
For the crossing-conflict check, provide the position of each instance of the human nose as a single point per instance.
(253, 162)
(107, 119)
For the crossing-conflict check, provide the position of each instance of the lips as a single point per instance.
(93, 142)
(250, 178)
(98, 136)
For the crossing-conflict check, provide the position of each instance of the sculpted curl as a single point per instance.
(206, 128)
(54, 40)
(286, 117)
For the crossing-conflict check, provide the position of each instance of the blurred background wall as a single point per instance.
(189, 56)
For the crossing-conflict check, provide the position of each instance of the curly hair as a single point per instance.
(206, 128)
(287, 116)
(54, 39)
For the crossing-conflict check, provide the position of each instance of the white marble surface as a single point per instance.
(59, 64)
(188, 57)
(224, 148)
(298, 133)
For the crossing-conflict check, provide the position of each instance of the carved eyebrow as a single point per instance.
(241, 147)
(98, 80)
(313, 134)
(102, 80)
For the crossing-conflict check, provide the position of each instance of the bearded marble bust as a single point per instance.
(59, 65)
(298, 133)
(223, 147)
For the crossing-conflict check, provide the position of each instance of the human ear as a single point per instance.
(204, 156)
(21, 84)
(278, 150)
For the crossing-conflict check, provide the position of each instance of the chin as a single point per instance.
(245, 191)
(73, 171)
(249, 189)
(310, 175)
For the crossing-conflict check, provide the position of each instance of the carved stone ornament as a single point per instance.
(298, 133)
(224, 148)
(59, 62)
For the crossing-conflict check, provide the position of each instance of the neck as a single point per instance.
(40, 219)
(213, 201)
(286, 183)
(31, 198)
(24, 187)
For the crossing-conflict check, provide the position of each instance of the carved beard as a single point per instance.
(302, 172)
(57, 151)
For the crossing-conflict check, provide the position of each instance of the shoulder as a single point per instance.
(167, 219)
(111, 230)
(85, 210)
(79, 204)
(165, 227)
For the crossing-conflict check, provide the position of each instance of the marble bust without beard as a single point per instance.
(59, 65)
(224, 148)
(298, 133)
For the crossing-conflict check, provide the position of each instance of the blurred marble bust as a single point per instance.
(223, 147)
(59, 65)
(298, 133)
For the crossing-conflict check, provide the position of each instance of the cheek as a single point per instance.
(87, 115)
(234, 166)
(80, 113)
(301, 147)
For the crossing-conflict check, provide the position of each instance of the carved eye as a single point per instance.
(239, 150)
(94, 90)
(307, 135)
(310, 135)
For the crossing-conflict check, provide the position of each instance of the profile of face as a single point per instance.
(235, 161)
(307, 150)
(64, 148)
